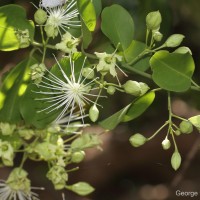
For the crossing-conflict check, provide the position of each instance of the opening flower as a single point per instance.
(69, 93)
(108, 63)
(68, 43)
(17, 187)
(61, 18)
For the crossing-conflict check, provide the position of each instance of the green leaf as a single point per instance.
(12, 90)
(195, 120)
(130, 112)
(111, 122)
(13, 17)
(172, 71)
(87, 36)
(97, 6)
(117, 24)
(138, 107)
(87, 13)
(133, 51)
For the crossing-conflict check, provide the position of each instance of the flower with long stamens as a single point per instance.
(69, 94)
(51, 3)
(61, 18)
(17, 187)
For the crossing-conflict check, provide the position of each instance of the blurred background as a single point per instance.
(121, 172)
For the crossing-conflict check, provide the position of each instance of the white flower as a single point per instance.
(61, 18)
(68, 43)
(51, 3)
(70, 93)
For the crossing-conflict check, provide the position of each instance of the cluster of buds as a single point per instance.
(37, 72)
(23, 38)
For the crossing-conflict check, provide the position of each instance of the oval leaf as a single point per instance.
(117, 24)
(130, 112)
(172, 71)
(12, 18)
(139, 106)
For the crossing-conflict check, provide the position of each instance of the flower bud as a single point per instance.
(26, 133)
(37, 72)
(51, 31)
(6, 153)
(111, 90)
(157, 36)
(153, 20)
(23, 38)
(176, 160)
(81, 188)
(88, 73)
(94, 113)
(174, 40)
(40, 16)
(137, 140)
(186, 127)
(78, 156)
(144, 88)
(166, 144)
(183, 50)
(132, 87)
(177, 132)
(58, 176)
(7, 129)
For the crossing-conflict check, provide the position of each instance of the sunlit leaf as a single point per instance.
(12, 90)
(12, 18)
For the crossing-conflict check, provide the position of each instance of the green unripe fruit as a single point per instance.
(186, 127)
(78, 156)
(111, 90)
(176, 160)
(40, 16)
(157, 36)
(153, 20)
(166, 144)
(88, 73)
(94, 113)
(81, 188)
(137, 140)
(132, 87)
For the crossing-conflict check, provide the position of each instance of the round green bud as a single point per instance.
(40, 16)
(78, 156)
(81, 188)
(137, 140)
(174, 40)
(166, 144)
(132, 87)
(111, 90)
(157, 36)
(186, 127)
(88, 73)
(176, 160)
(144, 88)
(94, 113)
(153, 20)
(177, 132)
(51, 31)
